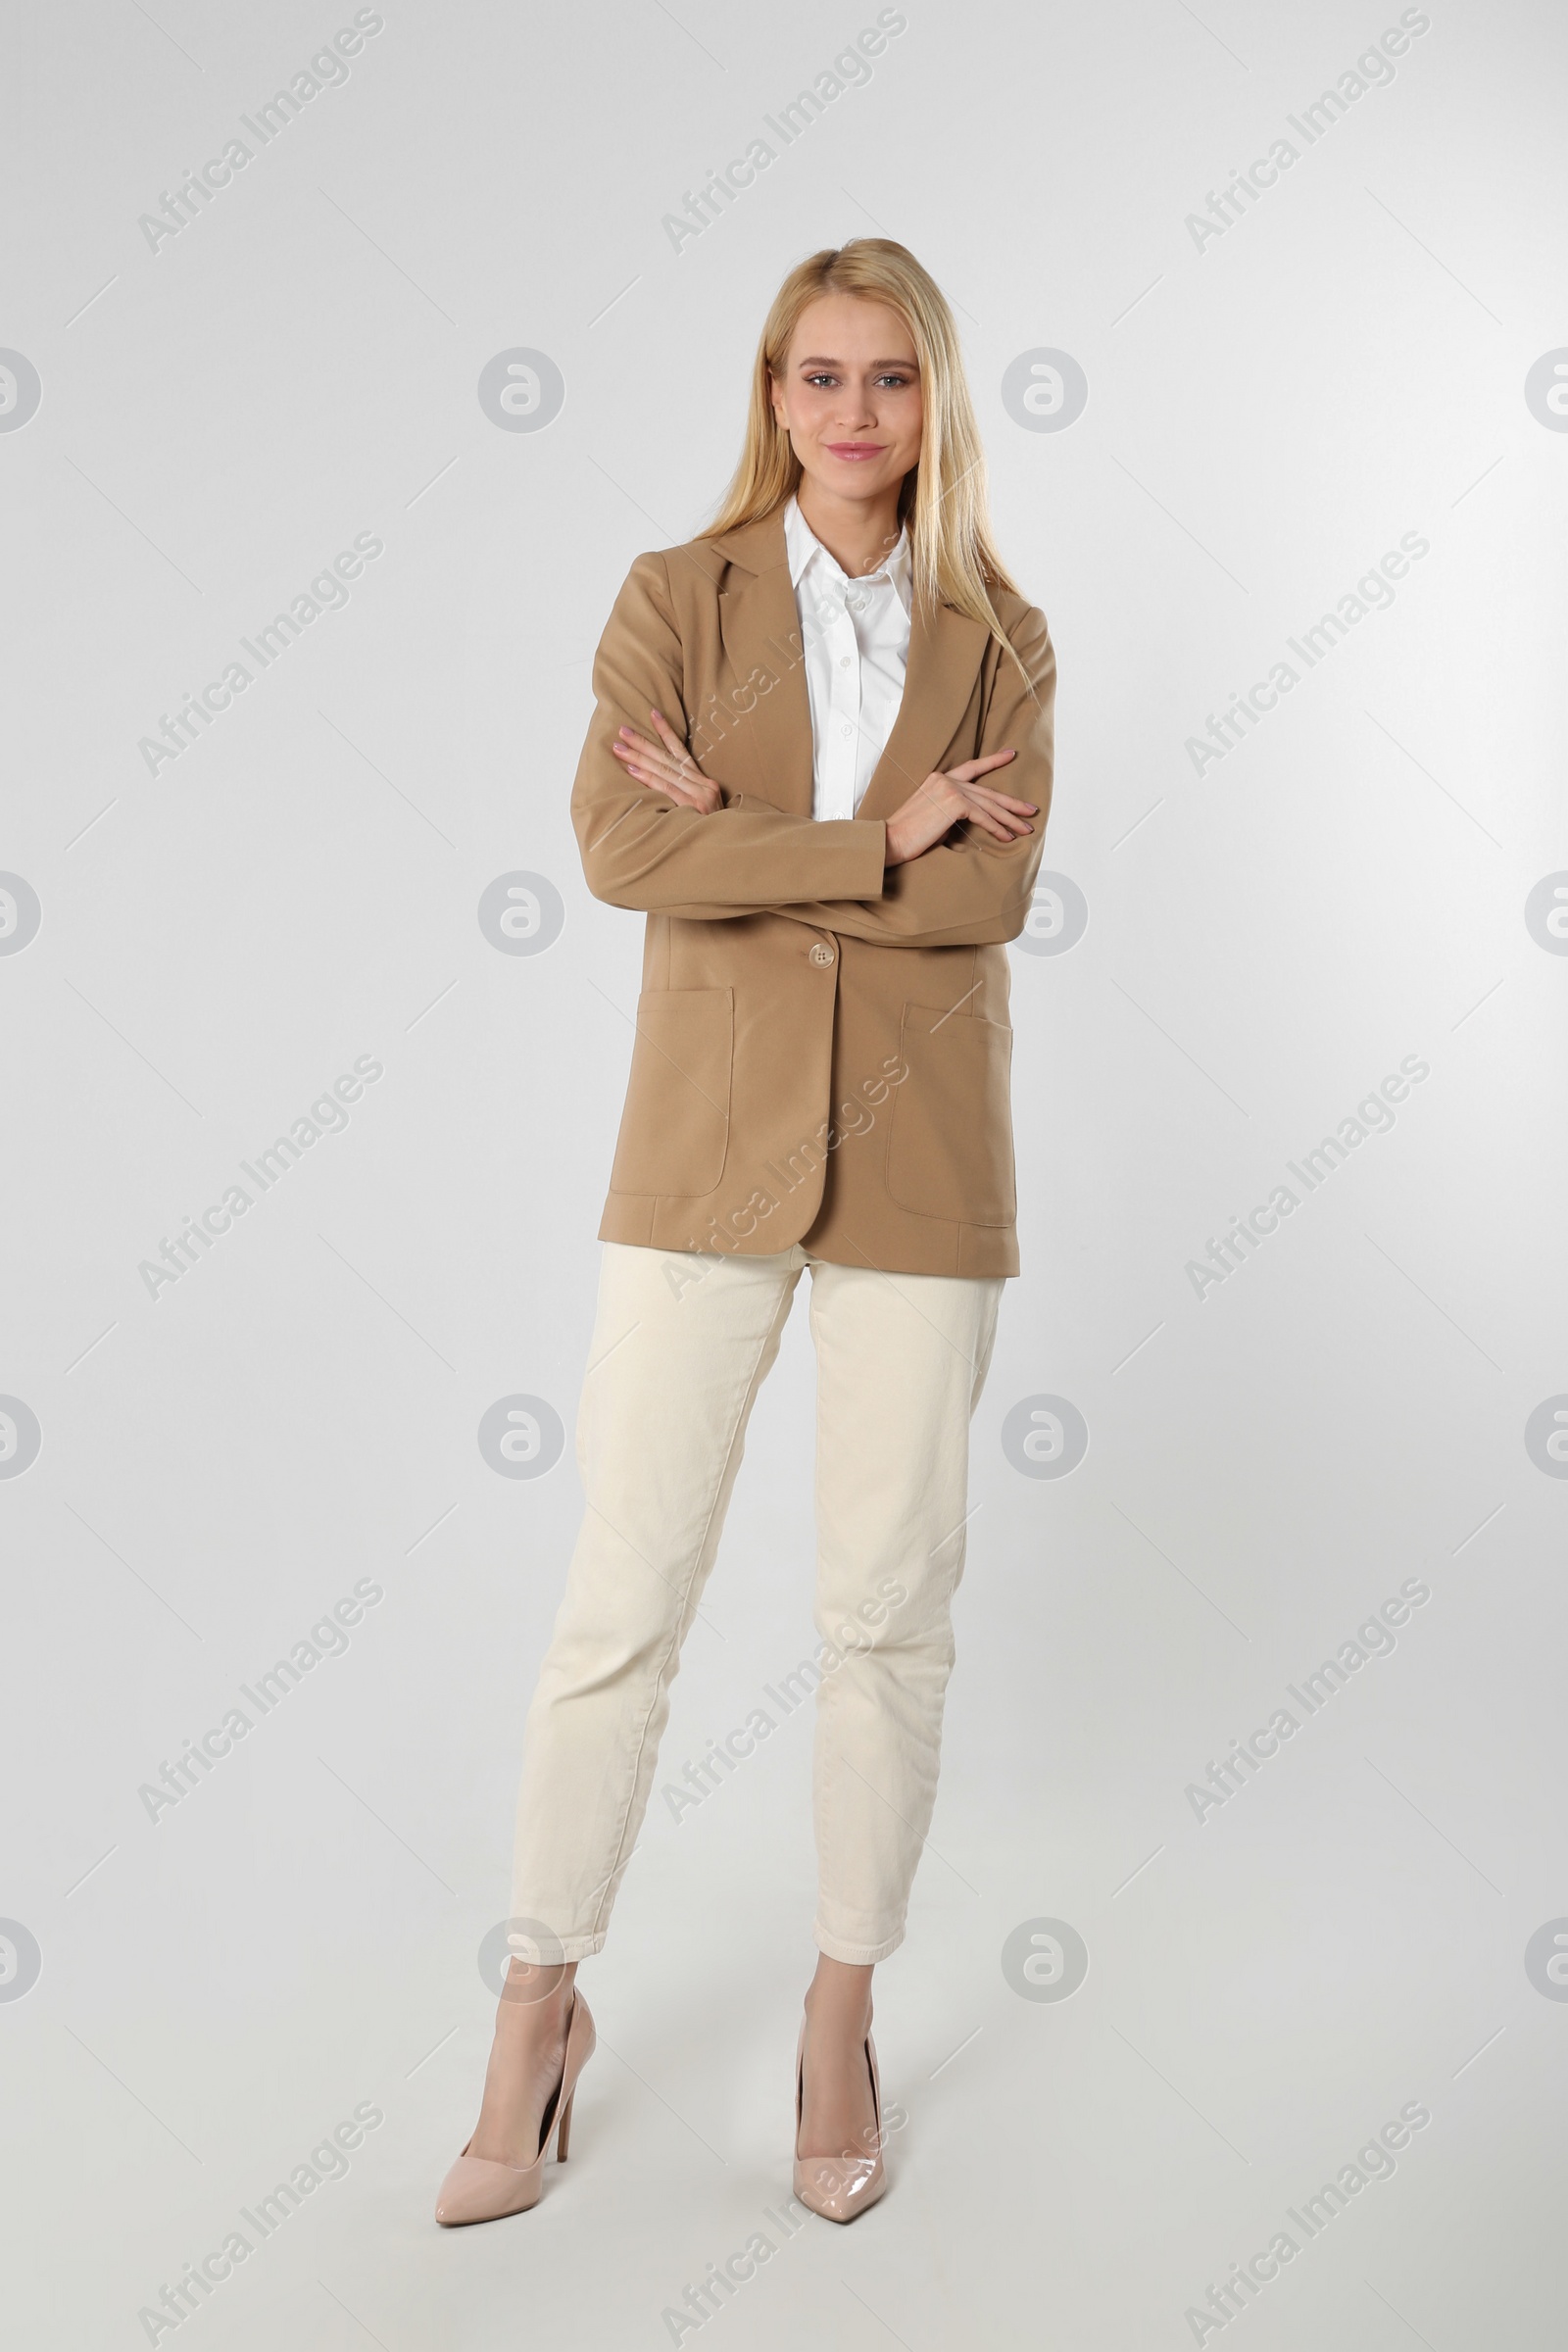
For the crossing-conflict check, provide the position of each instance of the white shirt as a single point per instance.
(856, 634)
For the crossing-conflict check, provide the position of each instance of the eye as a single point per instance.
(897, 380)
(821, 375)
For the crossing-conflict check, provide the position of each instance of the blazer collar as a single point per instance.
(761, 635)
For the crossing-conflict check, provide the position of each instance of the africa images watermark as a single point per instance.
(1375, 1639)
(1373, 68)
(327, 1115)
(720, 1758)
(720, 2280)
(1373, 592)
(327, 2161)
(1372, 1115)
(328, 1637)
(1373, 2162)
(326, 593)
(327, 69)
(856, 1116)
(849, 69)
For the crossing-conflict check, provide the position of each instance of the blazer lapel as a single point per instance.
(939, 684)
(760, 629)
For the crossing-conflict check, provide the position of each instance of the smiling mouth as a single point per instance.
(855, 449)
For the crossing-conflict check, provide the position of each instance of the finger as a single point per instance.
(971, 768)
(629, 740)
(652, 755)
(670, 740)
(651, 759)
(1002, 823)
(675, 750)
(673, 792)
(1004, 799)
(990, 825)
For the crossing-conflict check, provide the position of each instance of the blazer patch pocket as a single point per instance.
(674, 1131)
(950, 1142)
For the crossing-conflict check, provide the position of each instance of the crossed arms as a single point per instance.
(954, 866)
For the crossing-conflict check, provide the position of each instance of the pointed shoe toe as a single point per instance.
(475, 2189)
(839, 2187)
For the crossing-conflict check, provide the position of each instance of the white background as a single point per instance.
(1266, 942)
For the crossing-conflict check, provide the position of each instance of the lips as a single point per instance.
(855, 449)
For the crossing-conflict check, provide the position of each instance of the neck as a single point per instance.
(858, 533)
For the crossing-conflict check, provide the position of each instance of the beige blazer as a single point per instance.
(824, 1047)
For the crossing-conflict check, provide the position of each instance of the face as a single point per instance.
(850, 396)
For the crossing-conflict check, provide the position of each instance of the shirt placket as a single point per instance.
(844, 705)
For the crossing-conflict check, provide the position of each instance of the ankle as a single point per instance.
(833, 2016)
(537, 1999)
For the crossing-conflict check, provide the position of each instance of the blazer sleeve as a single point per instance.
(640, 849)
(970, 890)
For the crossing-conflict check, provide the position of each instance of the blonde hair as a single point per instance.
(942, 499)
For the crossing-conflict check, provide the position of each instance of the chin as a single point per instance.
(844, 474)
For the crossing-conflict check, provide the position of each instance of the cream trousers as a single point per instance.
(681, 1345)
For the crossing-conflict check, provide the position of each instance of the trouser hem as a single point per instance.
(576, 1948)
(857, 1955)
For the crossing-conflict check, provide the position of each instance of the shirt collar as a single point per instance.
(803, 548)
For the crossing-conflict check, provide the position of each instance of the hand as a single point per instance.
(954, 797)
(666, 767)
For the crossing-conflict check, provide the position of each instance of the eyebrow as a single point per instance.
(820, 361)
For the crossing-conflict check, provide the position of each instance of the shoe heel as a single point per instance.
(563, 2137)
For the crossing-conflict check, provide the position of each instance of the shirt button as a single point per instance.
(844, 660)
(846, 729)
(821, 954)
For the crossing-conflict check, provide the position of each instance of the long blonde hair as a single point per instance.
(942, 499)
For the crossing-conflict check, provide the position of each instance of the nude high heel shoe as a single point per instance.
(839, 2187)
(476, 2189)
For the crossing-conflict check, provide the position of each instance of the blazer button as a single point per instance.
(821, 954)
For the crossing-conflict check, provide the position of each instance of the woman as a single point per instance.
(791, 769)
